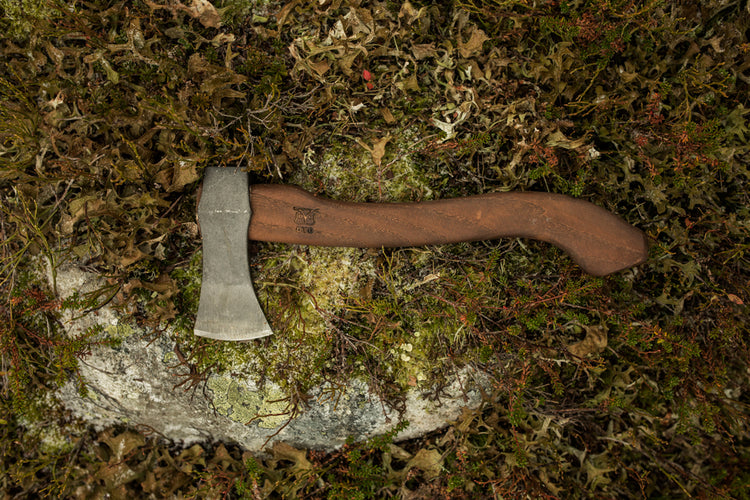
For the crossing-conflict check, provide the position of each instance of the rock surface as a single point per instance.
(137, 382)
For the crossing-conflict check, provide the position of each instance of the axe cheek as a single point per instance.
(229, 308)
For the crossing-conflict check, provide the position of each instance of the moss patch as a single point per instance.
(19, 17)
(370, 169)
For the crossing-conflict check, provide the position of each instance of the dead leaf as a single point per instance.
(284, 12)
(715, 43)
(473, 45)
(206, 13)
(410, 14)
(388, 116)
(558, 140)
(223, 458)
(80, 208)
(122, 444)
(398, 453)
(409, 83)
(223, 38)
(283, 451)
(377, 151)
(190, 457)
(735, 299)
(423, 51)
(202, 10)
(428, 461)
(359, 22)
(164, 285)
(346, 61)
(594, 343)
(130, 255)
(184, 172)
(319, 67)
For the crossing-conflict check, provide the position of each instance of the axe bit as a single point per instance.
(230, 212)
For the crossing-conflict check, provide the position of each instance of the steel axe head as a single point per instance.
(228, 308)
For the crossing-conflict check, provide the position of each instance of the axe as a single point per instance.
(230, 212)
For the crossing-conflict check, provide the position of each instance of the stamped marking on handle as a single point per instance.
(304, 218)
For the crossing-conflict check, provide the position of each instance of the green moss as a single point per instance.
(20, 16)
(355, 171)
(236, 11)
(188, 283)
(301, 290)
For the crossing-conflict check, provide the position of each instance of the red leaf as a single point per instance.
(366, 75)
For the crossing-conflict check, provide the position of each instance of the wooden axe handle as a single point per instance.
(597, 240)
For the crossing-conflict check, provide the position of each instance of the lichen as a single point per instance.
(244, 403)
(331, 276)
(52, 439)
(119, 331)
(300, 289)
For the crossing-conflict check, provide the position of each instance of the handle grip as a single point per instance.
(597, 240)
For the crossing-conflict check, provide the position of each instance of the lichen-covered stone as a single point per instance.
(142, 383)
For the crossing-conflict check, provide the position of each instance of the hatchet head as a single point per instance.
(229, 308)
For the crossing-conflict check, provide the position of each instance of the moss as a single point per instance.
(301, 290)
(235, 11)
(43, 409)
(20, 16)
(413, 364)
(188, 285)
(305, 291)
(55, 440)
(553, 83)
(356, 171)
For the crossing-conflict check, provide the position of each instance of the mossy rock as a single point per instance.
(146, 383)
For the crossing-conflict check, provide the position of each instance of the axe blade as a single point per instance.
(228, 308)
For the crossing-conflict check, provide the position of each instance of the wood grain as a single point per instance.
(597, 240)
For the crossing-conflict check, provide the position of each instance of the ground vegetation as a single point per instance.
(634, 385)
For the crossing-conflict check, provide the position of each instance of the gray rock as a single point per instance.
(135, 384)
